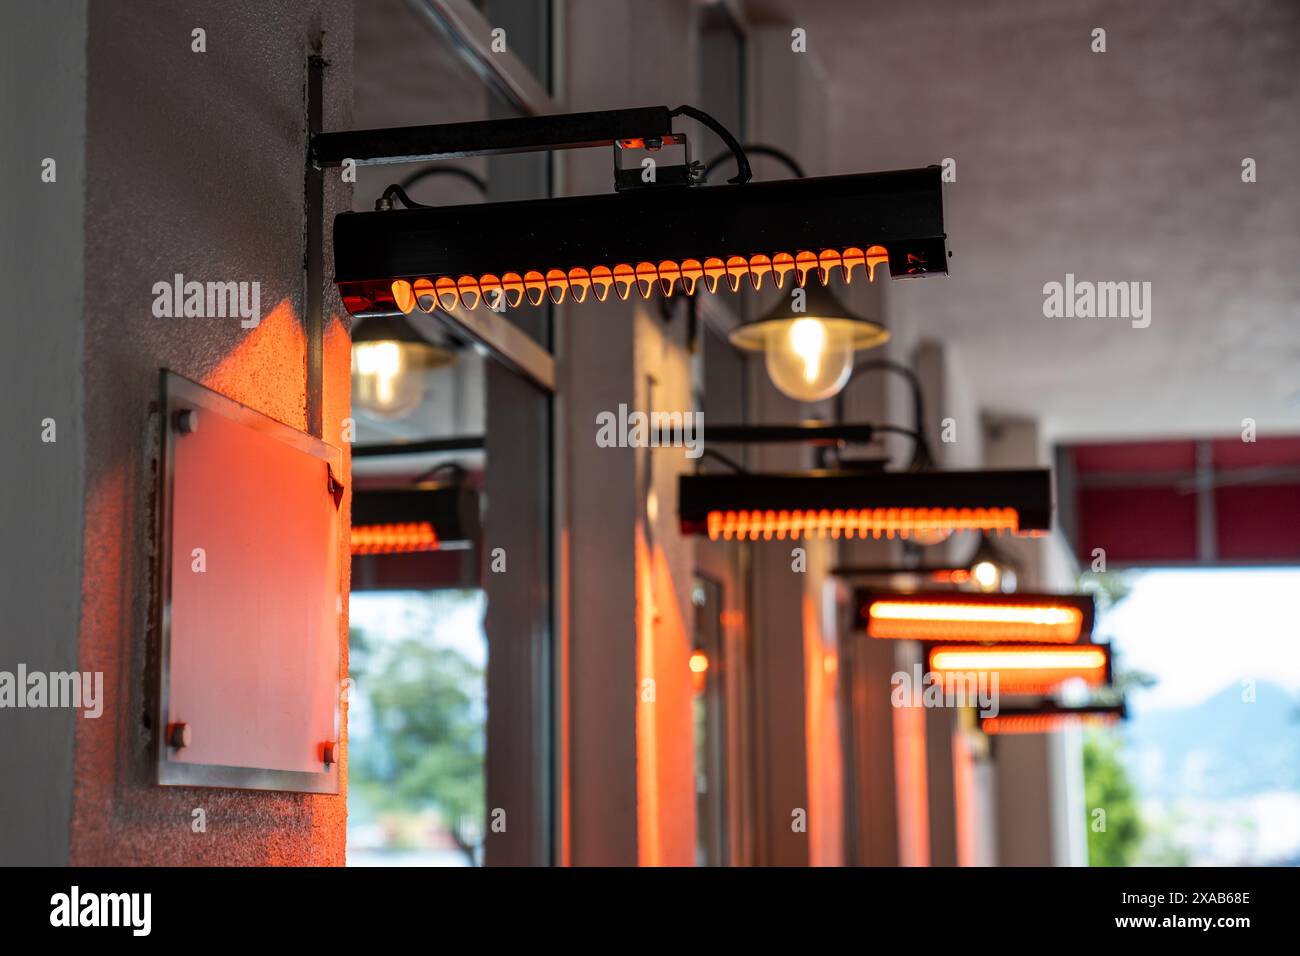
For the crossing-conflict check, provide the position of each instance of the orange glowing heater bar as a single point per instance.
(968, 616)
(397, 538)
(848, 504)
(511, 289)
(1022, 668)
(1048, 717)
(428, 517)
(950, 575)
(751, 525)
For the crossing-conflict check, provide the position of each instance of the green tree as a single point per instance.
(1116, 838)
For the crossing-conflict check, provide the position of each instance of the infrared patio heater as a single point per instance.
(1034, 643)
(661, 231)
(1047, 716)
(855, 500)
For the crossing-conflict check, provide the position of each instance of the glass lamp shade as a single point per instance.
(389, 359)
(809, 354)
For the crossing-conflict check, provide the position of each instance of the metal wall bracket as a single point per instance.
(411, 144)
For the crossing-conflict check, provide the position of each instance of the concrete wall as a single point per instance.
(628, 786)
(953, 424)
(1040, 813)
(194, 165)
(890, 811)
(41, 280)
(799, 812)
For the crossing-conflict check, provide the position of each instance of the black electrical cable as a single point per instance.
(743, 173)
(922, 460)
(911, 433)
(758, 149)
(458, 471)
(730, 463)
(474, 179)
(397, 192)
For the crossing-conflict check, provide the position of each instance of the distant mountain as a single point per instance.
(1221, 747)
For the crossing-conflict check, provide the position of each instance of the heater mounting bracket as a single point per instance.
(645, 128)
(637, 165)
(409, 144)
(650, 126)
(797, 433)
(824, 436)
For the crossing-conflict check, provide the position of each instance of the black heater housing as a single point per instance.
(863, 598)
(1050, 708)
(452, 509)
(900, 210)
(1028, 491)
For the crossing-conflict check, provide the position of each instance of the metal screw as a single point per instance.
(178, 735)
(330, 753)
(187, 421)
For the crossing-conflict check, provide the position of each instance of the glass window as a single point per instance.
(450, 712)
(417, 722)
(407, 73)
(707, 669)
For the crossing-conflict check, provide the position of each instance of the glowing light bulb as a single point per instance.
(990, 569)
(987, 575)
(810, 359)
(383, 382)
(808, 341)
(382, 362)
(699, 665)
(389, 362)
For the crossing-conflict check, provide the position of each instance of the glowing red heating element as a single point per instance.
(854, 523)
(1023, 668)
(669, 275)
(950, 575)
(906, 618)
(397, 538)
(1045, 723)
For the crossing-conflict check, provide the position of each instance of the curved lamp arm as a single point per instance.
(921, 457)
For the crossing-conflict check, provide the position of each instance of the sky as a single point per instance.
(1200, 630)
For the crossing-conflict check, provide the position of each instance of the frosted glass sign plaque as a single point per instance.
(250, 629)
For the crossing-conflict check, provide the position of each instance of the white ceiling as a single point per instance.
(1117, 166)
